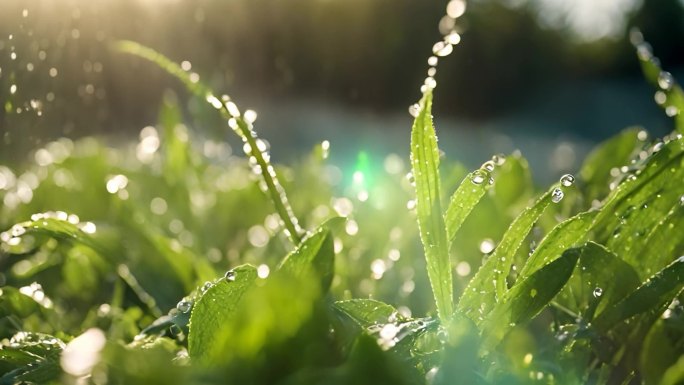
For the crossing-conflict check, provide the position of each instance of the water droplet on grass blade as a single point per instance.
(230, 276)
(414, 110)
(557, 195)
(597, 292)
(478, 177)
(567, 180)
(499, 159)
(671, 111)
(488, 165)
(665, 80)
(184, 306)
(433, 60)
(456, 8)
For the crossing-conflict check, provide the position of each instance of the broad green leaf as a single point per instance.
(213, 309)
(315, 252)
(659, 352)
(601, 280)
(54, 228)
(615, 152)
(662, 243)
(567, 234)
(365, 312)
(527, 298)
(425, 168)
(31, 358)
(489, 283)
(621, 200)
(464, 199)
(271, 313)
(660, 288)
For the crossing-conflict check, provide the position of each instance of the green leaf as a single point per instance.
(365, 312)
(659, 352)
(479, 297)
(213, 309)
(660, 288)
(567, 234)
(464, 199)
(615, 152)
(425, 168)
(315, 252)
(32, 358)
(527, 298)
(601, 280)
(662, 242)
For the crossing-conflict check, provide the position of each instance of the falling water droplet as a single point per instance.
(453, 38)
(598, 292)
(442, 48)
(665, 80)
(230, 276)
(456, 8)
(184, 306)
(567, 180)
(557, 195)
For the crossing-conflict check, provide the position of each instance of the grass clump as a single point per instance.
(162, 263)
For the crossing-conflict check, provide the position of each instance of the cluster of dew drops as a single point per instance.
(185, 305)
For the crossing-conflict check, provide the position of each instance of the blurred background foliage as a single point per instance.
(530, 74)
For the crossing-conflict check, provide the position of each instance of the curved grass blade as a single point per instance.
(465, 198)
(236, 121)
(425, 167)
(564, 235)
(662, 243)
(315, 252)
(660, 288)
(218, 304)
(365, 312)
(479, 297)
(527, 298)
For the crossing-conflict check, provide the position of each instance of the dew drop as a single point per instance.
(414, 110)
(660, 97)
(478, 177)
(671, 111)
(184, 306)
(665, 80)
(488, 165)
(557, 195)
(567, 180)
(207, 285)
(230, 276)
(533, 293)
(499, 159)
(598, 292)
(432, 61)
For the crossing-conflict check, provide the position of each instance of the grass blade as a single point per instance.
(242, 128)
(465, 198)
(217, 305)
(477, 300)
(660, 288)
(425, 166)
(527, 298)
